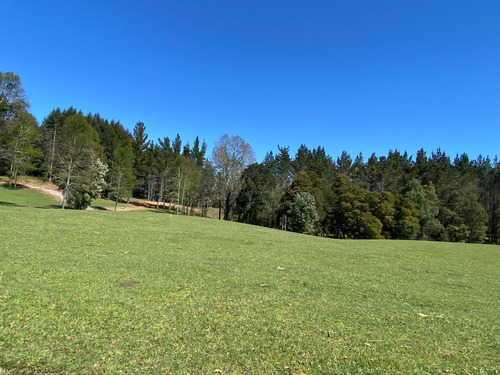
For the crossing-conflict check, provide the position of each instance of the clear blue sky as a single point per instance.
(361, 76)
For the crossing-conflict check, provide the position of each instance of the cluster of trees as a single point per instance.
(88, 156)
(394, 196)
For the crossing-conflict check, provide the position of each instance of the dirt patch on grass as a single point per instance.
(128, 208)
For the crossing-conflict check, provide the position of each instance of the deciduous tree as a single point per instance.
(77, 165)
(230, 156)
(13, 99)
(17, 144)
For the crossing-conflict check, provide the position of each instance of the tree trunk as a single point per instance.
(179, 184)
(160, 194)
(226, 206)
(183, 198)
(66, 188)
(149, 194)
(52, 155)
(65, 197)
(15, 175)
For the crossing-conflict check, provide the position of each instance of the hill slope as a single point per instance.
(145, 292)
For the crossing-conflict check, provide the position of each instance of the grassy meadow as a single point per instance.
(24, 197)
(140, 292)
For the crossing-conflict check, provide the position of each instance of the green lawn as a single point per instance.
(24, 197)
(102, 292)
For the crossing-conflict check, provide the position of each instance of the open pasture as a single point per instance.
(85, 292)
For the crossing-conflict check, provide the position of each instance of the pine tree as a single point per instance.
(139, 147)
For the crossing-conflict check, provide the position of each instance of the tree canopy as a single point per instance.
(430, 197)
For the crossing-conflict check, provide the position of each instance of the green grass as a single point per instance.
(98, 292)
(24, 197)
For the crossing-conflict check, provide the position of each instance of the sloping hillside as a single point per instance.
(146, 292)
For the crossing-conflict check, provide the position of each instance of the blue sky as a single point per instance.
(361, 76)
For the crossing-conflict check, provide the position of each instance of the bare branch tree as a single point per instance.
(230, 156)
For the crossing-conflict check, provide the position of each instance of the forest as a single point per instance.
(431, 196)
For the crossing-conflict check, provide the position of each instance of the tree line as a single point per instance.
(429, 197)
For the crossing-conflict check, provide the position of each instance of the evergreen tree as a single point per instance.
(139, 146)
(358, 172)
(406, 225)
(112, 135)
(489, 182)
(344, 164)
(186, 151)
(198, 153)
(165, 158)
(322, 164)
(302, 160)
(254, 204)
(352, 213)
(375, 173)
(430, 227)
(383, 206)
(50, 137)
(421, 167)
(207, 188)
(283, 169)
(177, 145)
(121, 175)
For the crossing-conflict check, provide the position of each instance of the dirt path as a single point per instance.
(53, 193)
(46, 189)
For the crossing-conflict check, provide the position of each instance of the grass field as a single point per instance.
(24, 197)
(102, 292)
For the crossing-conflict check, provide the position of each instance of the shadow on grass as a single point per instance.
(23, 203)
(144, 204)
(10, 204)
(133, 203)
(51, 207)
(160, 211)
(10, 186)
